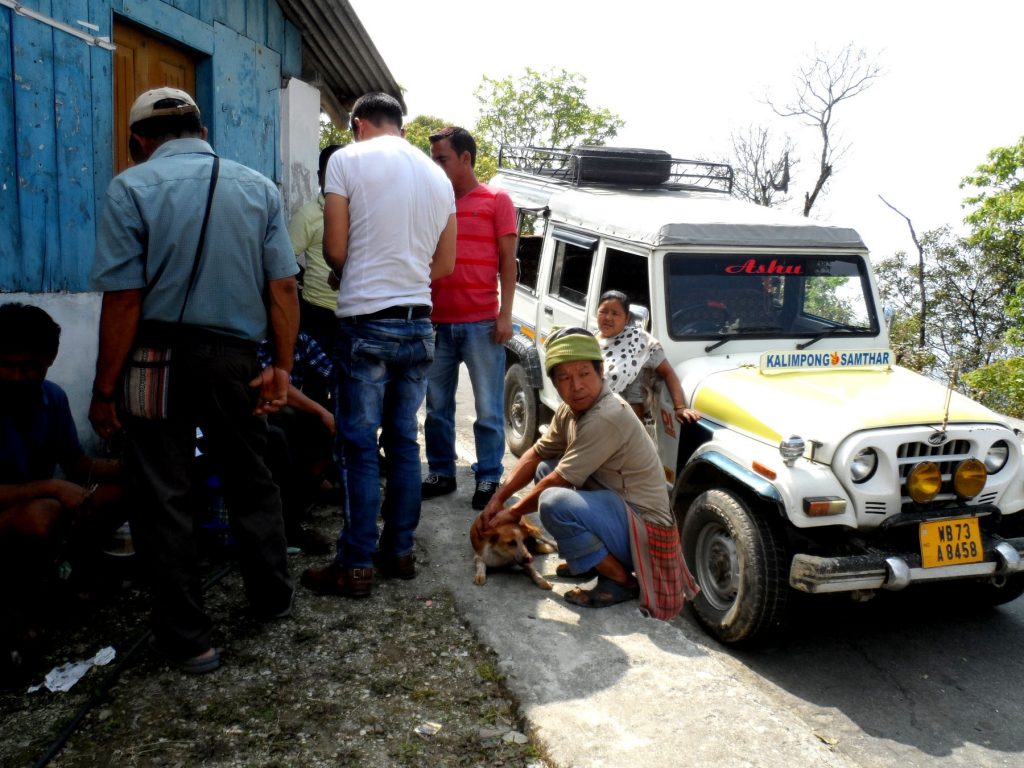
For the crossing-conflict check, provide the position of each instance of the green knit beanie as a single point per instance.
(566, 347)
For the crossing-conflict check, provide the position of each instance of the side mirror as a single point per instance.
(639, 315)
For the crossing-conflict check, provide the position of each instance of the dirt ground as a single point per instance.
(397, 679)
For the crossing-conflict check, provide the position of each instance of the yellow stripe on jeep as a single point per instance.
(733, 411)
(828, 403)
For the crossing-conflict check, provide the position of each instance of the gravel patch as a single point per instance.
(397, 679)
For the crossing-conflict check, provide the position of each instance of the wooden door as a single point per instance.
(141, 62)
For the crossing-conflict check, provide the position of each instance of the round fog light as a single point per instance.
(924, 482)
(969, 478)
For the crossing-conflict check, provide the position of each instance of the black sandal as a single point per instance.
(563, 571)
(605, 593)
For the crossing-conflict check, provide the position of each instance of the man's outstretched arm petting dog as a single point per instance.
(599, 489)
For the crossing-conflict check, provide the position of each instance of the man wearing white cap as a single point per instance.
(193, 256)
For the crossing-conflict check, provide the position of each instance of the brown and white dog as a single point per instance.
(506, 545)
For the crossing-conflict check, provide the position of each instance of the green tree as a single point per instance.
(965, 326)
(898, 284)
(997, 218)
(419, 130)
(541, 109)
(331, 134)
(1000, 386)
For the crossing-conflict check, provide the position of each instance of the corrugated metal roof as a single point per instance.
(337, 52)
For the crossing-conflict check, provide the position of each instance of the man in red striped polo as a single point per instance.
(472, 315)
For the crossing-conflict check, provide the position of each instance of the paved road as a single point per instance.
(896, 681)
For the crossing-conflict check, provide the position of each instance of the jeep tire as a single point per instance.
(741, 563)
(521, 411)
(984, 594)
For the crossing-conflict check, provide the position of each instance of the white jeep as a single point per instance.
(818, 464)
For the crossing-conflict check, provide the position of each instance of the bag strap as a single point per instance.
(214, 173)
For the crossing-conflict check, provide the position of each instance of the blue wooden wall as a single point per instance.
(56, 112)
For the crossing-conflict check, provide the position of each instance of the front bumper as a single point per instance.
(885, 570)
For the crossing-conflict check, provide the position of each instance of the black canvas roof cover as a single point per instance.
(749, 235)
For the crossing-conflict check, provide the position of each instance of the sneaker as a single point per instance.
(485, 489)
(436, 485)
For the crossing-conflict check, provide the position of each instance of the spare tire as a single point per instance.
(622, 165)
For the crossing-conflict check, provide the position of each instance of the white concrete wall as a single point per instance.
(300, 143)
(78, 315)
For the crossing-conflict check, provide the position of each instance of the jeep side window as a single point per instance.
(570, 273)
(626, 272)
(528, 249)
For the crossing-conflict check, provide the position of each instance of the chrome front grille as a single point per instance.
(947, 456)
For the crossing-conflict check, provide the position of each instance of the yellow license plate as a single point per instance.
(951, 542)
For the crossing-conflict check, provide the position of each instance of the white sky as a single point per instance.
(684, 75)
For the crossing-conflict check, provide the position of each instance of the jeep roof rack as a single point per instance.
(616, 166)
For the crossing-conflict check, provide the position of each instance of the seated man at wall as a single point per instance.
(301, 441)
(599, 489)
(44, 521)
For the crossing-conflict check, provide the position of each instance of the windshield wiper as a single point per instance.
(720, 341)
(734, 332)
(836, 331)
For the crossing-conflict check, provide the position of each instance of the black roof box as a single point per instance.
(621, 165)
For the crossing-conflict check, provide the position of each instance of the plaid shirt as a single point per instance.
(308, 358)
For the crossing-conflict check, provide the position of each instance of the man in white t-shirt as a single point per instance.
(389, 229)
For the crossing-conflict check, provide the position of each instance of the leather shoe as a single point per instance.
(391, 567)
(334, 580)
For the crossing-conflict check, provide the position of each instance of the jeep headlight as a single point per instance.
(924, 482)
(996, 457)
(863, 465)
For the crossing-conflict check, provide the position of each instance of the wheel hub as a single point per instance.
(517, 413)
(718, 571)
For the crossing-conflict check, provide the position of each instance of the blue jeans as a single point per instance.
(382, 379)
(468, 343)
(587, 525)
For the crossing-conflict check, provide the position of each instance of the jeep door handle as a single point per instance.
(549, 311)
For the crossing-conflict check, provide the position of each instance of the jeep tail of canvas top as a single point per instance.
(818, 465)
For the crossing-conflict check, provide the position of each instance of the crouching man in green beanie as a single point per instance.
(600, 490)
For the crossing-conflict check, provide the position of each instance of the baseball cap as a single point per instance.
(159, 102)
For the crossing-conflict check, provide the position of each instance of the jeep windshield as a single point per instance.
(721, 298)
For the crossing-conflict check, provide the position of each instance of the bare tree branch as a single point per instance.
(822, 85)
(762, 171)
(920, 268)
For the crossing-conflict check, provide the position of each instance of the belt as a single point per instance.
(171, 334)
(412, 312)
